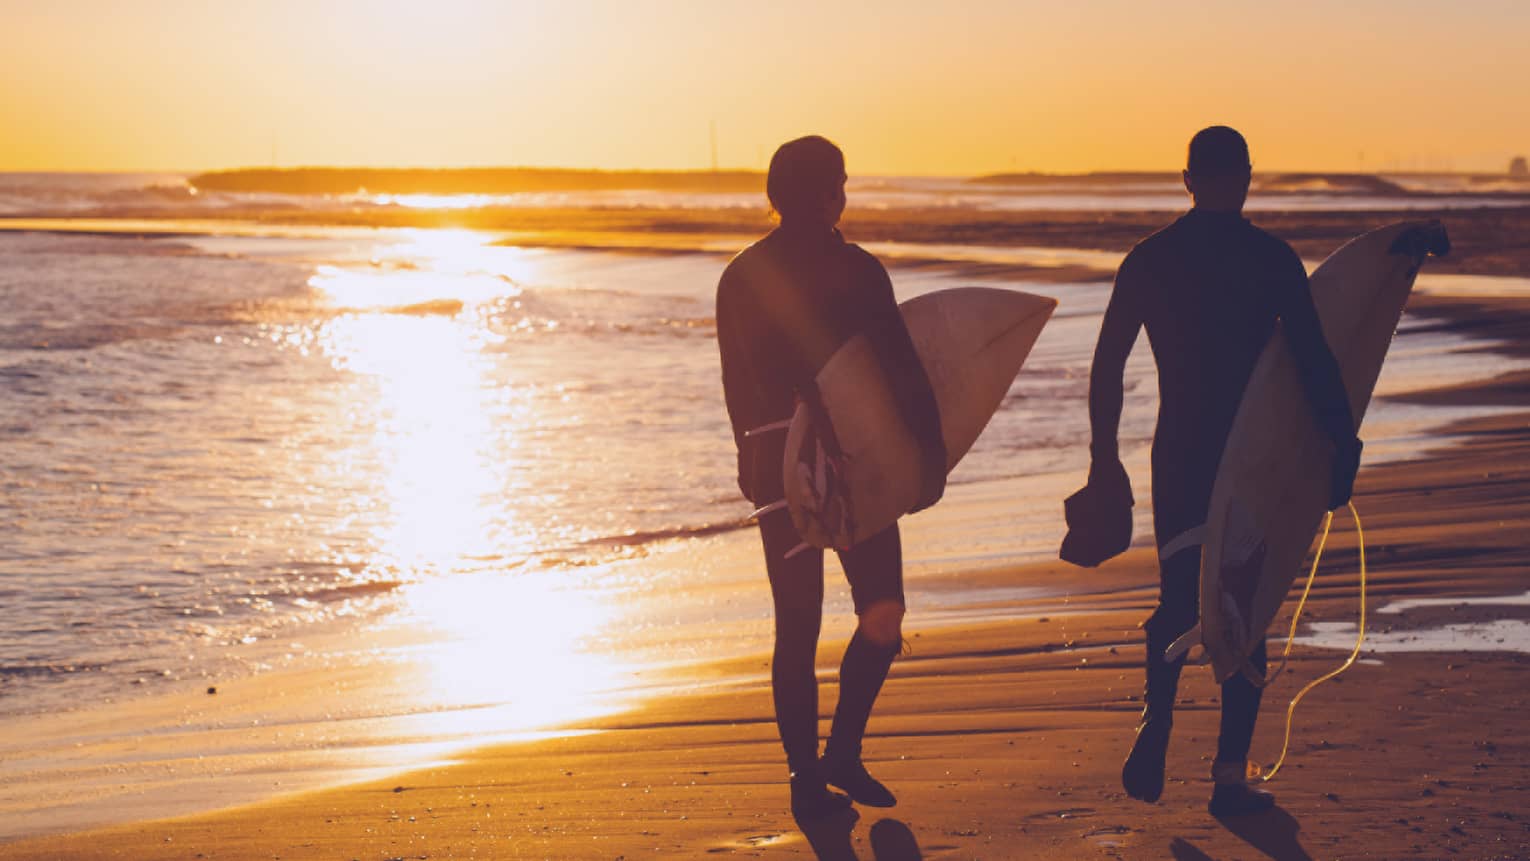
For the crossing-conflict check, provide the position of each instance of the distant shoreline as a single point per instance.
(1360, 181)
(484, 180)
(1485, 241)
(521, 180)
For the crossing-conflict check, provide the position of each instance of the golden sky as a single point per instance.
(904, 87)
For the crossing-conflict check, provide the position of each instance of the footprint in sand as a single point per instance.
(1067, 813)
(1108, 836)
(754, 841)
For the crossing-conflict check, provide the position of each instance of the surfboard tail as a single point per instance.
(1422, 240)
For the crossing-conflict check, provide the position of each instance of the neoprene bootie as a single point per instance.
(1232, 795)
(1142, 775)
(812, 799)
(851, 776)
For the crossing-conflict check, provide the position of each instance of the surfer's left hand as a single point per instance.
(1346, 462)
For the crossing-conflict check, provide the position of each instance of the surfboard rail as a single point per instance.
(1271, 489)
(852, 464)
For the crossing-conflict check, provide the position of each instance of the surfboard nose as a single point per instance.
(1043, 304)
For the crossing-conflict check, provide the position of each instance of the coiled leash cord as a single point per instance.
(1291, 638)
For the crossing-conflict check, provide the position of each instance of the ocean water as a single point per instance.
(172, 196)
(323, 450)
(216, 441)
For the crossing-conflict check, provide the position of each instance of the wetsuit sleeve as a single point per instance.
(1314, 360)
(741, 389)
(895, 352)
(1118, 333)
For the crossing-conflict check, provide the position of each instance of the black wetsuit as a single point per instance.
(1209, 289)
(784, 306)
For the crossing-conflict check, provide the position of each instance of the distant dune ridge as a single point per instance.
(477, 180)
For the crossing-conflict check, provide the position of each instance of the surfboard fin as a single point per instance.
(767, 509)
(768, 428)
(1195, 536)
(1183, 644)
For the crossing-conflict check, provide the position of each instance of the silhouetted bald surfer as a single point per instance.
(1209, 289)
(784, 306)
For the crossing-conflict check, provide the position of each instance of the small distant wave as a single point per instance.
(1331, 183)
(431, 308)
(652, 536)
(348, 591)
(102, 242)
(25, 671)
(83, 337)
(1099, 180)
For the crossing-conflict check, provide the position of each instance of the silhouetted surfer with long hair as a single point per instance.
(1209, 289)
(784, 306)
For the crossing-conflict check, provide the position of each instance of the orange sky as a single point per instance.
(903, 87)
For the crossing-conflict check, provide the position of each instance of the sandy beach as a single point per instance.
(1004, 739)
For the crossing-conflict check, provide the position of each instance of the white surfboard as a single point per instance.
(971, 341)
(1272, 485)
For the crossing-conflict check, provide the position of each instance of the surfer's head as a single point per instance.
(1218, 170)
(806, 184)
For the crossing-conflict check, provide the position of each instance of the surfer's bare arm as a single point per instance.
(1118, 333)
(916, 398)
(741, 388)
(1320, 375)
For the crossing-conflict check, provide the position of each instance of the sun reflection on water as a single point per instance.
(520, 641)
(497, 631)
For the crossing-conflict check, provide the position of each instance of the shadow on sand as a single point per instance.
(1273, 832)
(891, 840)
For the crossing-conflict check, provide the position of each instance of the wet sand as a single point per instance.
(1004, 739)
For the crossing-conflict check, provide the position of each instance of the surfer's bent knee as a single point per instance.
(882, 623)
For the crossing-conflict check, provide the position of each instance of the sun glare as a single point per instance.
(522, 641)
(495, 626)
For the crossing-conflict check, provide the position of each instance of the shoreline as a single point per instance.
(1485, 240)
(1003, 762)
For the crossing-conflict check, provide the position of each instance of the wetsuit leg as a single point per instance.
(875, 571)
(1178, 608)
(1240, 709)
(874, 568)
(796, 587)
(1181, 491)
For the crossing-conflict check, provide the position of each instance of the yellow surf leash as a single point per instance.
(1291, 638)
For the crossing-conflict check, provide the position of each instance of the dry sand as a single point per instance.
(1004, 740)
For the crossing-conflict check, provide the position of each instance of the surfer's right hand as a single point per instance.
(1099, 516)
(1346, 463)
